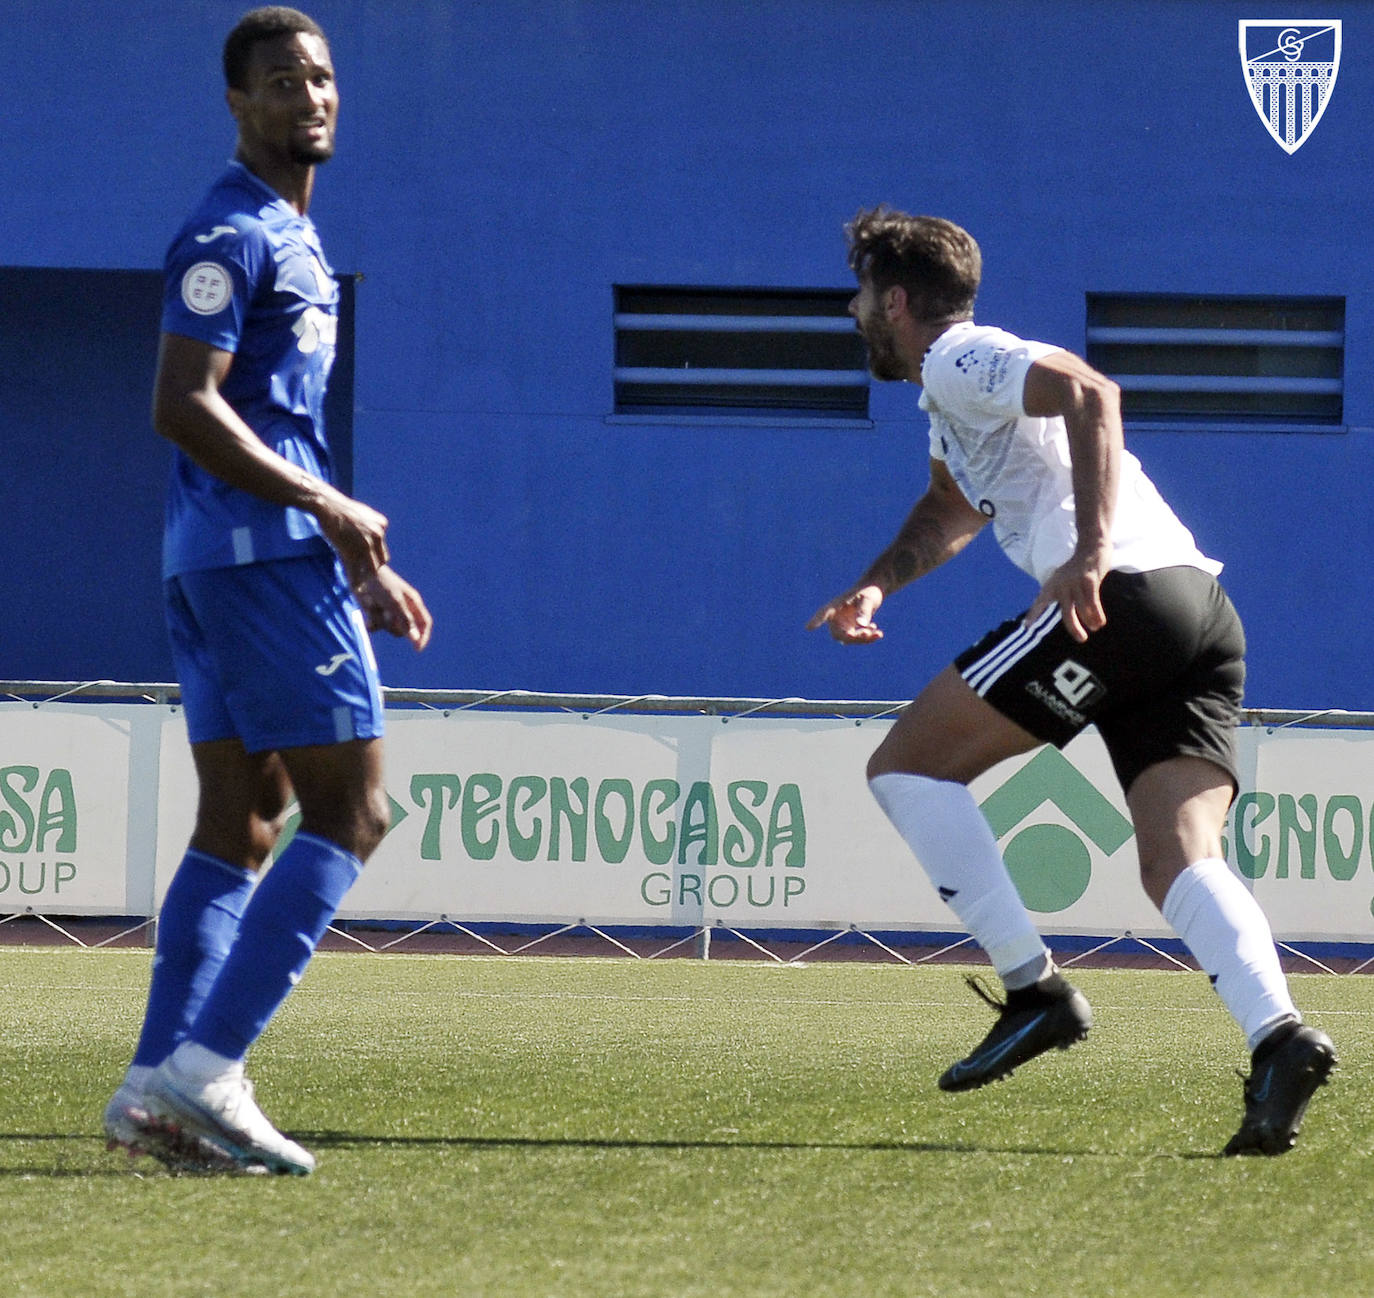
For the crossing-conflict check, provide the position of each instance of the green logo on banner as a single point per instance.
(293, 823)
(37, 824)
(1050, 864)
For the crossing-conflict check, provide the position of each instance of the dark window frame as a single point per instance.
(1222, 362)
(738, 355)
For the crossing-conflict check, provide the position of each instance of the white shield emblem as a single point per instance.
(1290, 70)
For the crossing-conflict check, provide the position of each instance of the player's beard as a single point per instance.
(312, 154)
(314, 144)
(883, 361)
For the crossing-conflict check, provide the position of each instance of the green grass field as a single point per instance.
(613, 1127)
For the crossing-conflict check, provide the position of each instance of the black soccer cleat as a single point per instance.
(1284, 1075)
(1051, 1015)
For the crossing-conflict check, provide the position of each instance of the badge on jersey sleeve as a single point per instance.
(206, 288)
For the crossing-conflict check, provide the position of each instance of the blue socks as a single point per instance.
(277, 935)
(195, 929)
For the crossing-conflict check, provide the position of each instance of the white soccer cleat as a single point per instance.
(221, 1111)
(130, 1126)
(126, 1117)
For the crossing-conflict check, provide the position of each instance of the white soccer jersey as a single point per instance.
(1015, 468)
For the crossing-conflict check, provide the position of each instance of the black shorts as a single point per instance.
(1163, 678)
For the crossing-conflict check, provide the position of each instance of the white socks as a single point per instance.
(942, 825)
(202, 1065)
(1207, 906)
(1225, 929)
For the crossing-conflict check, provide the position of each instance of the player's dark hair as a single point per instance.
(935, 261)
(265, 24)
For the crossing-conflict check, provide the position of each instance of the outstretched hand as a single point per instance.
(850, 616)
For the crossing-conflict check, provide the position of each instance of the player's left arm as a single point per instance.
(390, 603)
(1090, 404)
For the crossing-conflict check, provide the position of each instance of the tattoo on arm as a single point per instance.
(934, 531)
(905, 566)
(914, 552)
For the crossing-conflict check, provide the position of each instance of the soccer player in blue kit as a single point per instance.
(1129, 632)
(273, 579)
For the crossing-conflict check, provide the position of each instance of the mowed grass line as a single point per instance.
(618, 1127)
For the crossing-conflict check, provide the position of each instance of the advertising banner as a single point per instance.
(1302, 835)
(64, 809)
(655, 820)
(637, 820)
(750, 822)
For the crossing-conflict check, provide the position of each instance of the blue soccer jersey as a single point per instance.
(246, 274)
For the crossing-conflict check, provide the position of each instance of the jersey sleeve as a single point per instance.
(211, 277)
(984, 381)
(939, 437)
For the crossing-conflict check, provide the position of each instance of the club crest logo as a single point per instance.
(1290, 70)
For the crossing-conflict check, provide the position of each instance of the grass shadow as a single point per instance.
(346, 1140)
(321, 1140)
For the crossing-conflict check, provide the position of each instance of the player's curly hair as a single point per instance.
(934, 260)
(265, 24)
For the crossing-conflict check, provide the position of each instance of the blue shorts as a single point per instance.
(276, 654)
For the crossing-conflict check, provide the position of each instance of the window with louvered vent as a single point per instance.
(1234, 363)
(780, 355)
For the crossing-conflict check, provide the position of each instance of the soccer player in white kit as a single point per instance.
(1130, 632)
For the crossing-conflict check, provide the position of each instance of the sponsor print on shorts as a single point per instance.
(1075, 691)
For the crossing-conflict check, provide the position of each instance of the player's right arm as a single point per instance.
(941, 523)
(189, 410)
(1090, 404)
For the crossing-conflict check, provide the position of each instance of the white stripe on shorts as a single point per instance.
(984, 673)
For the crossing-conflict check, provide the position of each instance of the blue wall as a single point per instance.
(503, 165)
